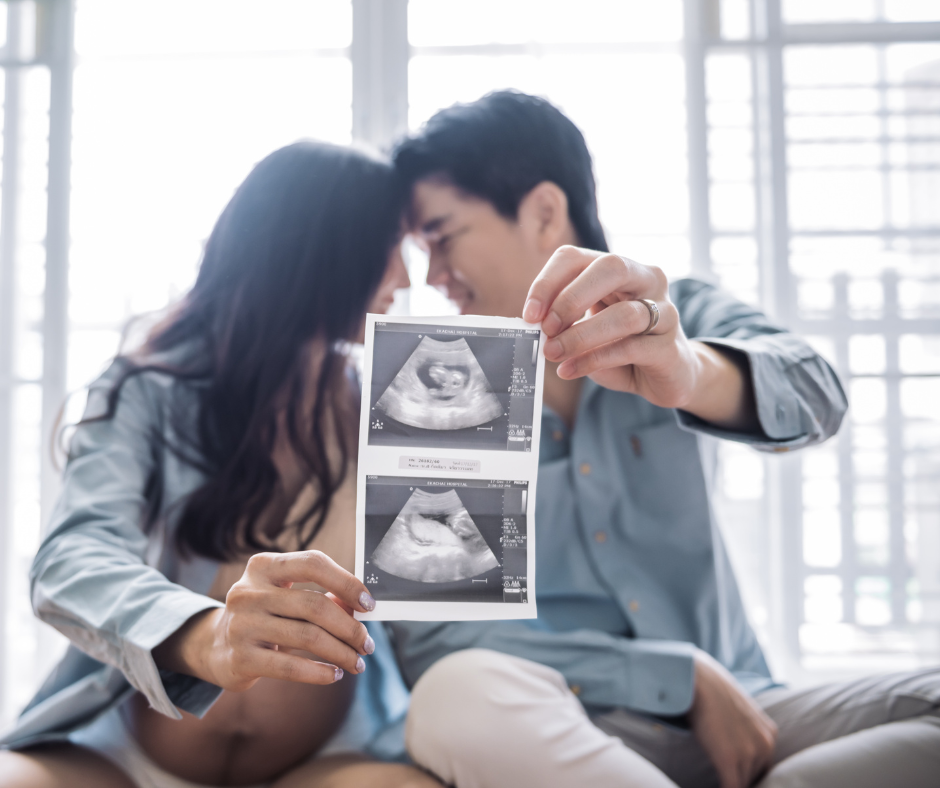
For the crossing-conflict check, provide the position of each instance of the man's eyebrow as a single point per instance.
(435, 224)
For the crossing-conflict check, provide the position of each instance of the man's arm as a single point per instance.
(797, 396)
(738, 376)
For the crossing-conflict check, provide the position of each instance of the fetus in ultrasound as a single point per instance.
(441, 387)
(434, 540)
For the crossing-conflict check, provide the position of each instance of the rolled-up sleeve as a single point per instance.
(89, 579)
(651, 676)
(798, 396)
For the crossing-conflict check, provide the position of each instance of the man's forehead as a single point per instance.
(435, 202)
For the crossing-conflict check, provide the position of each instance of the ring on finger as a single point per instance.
(653, 309)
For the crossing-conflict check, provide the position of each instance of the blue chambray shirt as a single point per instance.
(632, 572)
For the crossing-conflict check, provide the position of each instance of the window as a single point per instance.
(823, 179)
(788, 149)
(171, 110)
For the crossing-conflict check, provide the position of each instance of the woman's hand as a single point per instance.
(264, 620)
(611, 345)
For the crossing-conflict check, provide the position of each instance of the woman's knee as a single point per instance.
(19, 770)
(59, 766)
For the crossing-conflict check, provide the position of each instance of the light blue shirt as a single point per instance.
(117, 592)
(632, 572)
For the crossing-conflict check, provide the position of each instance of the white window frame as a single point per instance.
(380, 55)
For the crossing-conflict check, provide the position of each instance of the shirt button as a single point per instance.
(558, 435)
(637, 445)
(634, 606)
(600, 537)
(575, 689)
(585, 469)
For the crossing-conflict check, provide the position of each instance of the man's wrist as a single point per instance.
(722, 394)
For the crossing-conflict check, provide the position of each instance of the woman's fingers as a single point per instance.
(291, 667)
(319, 609)
(287, 633)
(312, 566)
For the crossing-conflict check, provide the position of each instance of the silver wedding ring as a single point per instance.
(654, 314)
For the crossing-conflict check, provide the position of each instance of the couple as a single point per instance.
(199, 556)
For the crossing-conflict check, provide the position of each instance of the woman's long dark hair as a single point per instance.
(296, 255)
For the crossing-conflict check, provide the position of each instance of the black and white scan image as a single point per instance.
(434, 540)
(441, 387)
(446, 540)
(446, 387)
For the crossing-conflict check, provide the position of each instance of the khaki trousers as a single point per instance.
(482, 719)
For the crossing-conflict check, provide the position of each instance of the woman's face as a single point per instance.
(396, 278)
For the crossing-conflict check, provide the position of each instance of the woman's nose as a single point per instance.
(438, 273)
(403, 279)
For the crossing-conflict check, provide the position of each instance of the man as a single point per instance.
(642, 669)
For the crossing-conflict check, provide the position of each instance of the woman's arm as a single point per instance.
(90, 579)
(264, 619)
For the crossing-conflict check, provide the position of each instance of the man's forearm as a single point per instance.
(723, 393)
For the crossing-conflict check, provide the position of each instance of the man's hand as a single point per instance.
(265, 621)
(610, 346)
(733, 730)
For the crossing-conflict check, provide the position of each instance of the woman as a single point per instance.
(208, 507)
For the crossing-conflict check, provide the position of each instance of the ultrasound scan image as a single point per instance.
(434, 540)
(441, 387)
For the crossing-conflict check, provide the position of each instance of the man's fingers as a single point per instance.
(562, 267)
(608, 279)
(320, 609)
(290, 667)
(630, 350)
(615, 322)
(312, 566)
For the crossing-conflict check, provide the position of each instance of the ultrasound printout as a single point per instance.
(448, 464)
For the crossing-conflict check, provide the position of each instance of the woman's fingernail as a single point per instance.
(552, 349)
(360, 665)
(532, 310)
(366, 600)
(551, 324)
(369, 645)
(566, 369)
(338, 672)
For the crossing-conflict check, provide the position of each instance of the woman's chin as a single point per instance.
(381, 307)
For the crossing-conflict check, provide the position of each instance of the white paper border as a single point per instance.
(494, 464)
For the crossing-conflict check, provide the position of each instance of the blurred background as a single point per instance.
(788, 150)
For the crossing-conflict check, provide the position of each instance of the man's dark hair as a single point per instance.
(502, 146)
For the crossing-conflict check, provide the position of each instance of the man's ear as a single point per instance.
(543, 216)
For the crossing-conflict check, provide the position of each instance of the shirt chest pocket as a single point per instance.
(662, 472)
